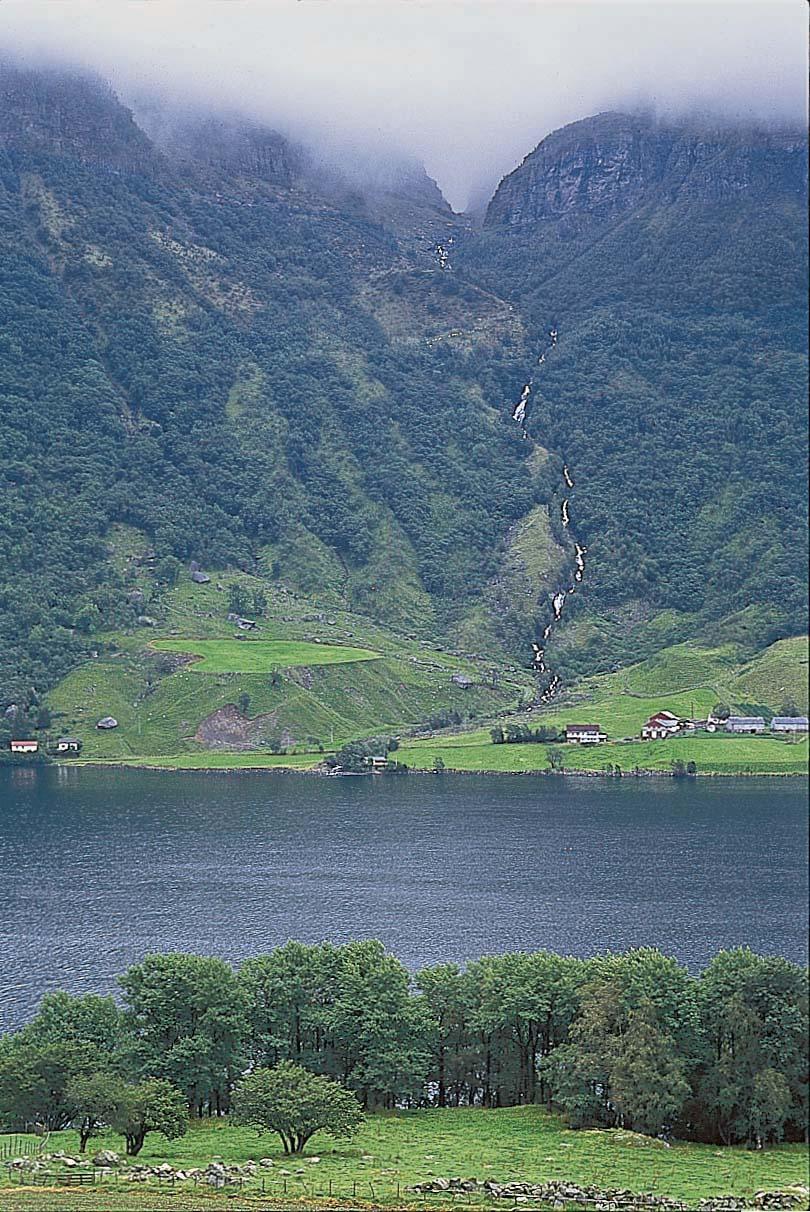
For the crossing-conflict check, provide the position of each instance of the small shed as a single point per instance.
(22, 746)
(461, 679)
(200, 578)
(107, 722)
(378, 762)
(68, 744)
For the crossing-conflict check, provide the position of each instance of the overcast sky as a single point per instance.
(467, 87)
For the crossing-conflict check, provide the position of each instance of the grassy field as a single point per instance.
(359, 679)
(261, 656)
(399, 1149)
(217, 760)
(683, 679)
(712, 754)
(316, 676)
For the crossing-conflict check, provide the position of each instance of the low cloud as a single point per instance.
(467, 88)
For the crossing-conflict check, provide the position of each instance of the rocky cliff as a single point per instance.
(71, 116)
(606, 165)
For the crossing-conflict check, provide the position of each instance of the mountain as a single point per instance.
(672, 261)
(246, 365)
(221, 349)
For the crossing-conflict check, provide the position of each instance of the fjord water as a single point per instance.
(98, 867)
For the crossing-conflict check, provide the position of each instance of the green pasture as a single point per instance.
(712, 754)
(398, 1149)
(262, 656)
(215, 760)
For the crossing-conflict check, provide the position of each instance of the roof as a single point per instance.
(745, 719)
(68, 740)
(582, 728)
(664, 715)
(789, 719)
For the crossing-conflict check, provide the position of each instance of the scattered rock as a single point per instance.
(106, 1157)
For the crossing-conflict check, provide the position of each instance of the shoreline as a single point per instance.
(313, 771)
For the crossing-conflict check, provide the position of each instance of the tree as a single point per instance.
(295, 1104)
(770, 1106)
(187, 1024)
(152, 1106)
(167, 571)
(96, 1097)
(555, 758)
(243, 702)
(648, 1077)
(35, 1078)
(721, 711)
(240, 598)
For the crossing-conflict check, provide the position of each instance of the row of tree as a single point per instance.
(522, 734)
(632, 1040)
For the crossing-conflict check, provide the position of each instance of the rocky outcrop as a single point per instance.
(604, 166)
(75, 116)
(223, 146)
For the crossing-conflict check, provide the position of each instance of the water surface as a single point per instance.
(98, 867)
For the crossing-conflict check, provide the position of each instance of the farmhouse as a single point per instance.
(584, 734)
(654, 732)
(24, 746)
(745, 724)
(68, 744)
(789, 723)
(660, 725)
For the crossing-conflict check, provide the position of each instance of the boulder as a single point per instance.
(106, 1157)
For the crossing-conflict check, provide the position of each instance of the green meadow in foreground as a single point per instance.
(262, 656)
(399, 1149)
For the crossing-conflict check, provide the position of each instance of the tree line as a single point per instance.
(630, 1040)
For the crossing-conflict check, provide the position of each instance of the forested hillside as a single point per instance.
(194, 350)
(673, 263)
(251, 361)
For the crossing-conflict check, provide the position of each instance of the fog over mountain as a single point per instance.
(467, 88)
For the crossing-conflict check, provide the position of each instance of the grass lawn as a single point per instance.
(407, 1147)
(712, 754)
(214, 760)
(262, 656)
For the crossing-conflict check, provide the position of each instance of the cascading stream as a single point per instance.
(558, 600)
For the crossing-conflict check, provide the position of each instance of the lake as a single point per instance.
(98, 867)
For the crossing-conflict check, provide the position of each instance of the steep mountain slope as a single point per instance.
(672, 261)
(194, 350)
(218, 350)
